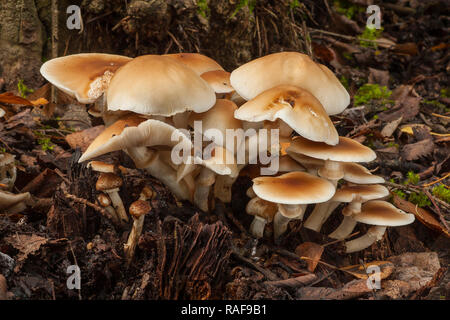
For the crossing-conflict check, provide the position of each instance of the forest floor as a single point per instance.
(399, 84)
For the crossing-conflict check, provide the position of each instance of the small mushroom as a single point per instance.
(105, 202)
(14, 203)
(356, 173)
(355, 195)
(138, 210)
(110, 184)
(380, 214)
(197, 62)
(219, 80)
(292, 192)
(263, 212)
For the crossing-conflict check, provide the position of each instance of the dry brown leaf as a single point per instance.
(312, 251)
(26, 244)
(389, 129)
(10, 98)
(416, 150)
(422, 215)
(84, 138)
(386, 269)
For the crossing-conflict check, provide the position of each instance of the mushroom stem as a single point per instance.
(117, 204)
(257, 227)
(280, 224)
(374, 234)
(332, 170)
(133, 238)
(222, 187)
(345, 228)
(320, 214)
(204, 182)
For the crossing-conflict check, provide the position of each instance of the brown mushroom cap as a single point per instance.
(297, 107)
(104, 200)
(293, 188)
(349, 193)
(139, 208)
(219, 80)
(84, 76)
(290, 68)
(108, 181)
(347, 150)
(199, 63)
(356, 173)
(158, 85)
(382, 213)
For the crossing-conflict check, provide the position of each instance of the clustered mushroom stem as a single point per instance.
(257, 227)
(345, 228)
(280, 224)
(201, 196)
(133, 238)
(374, 234)
(320, 214)
(118, 204)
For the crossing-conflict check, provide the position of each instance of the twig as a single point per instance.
(436, 181)
(268, 274)
(88, 203)
(296, 282)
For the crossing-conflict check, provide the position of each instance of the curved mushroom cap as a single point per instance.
(261, 208)
(220, 117)
(356, 173)
(84, 76)
(291, 68)
(347, 150)
(8, 199)
(7, 158)
(307, 162)
(293, 188)
(196, 61)
(135, 132)
(297, 107)
(108, 181)
(219, 80)
(382, 213)
(361, 193)
(287, 164)
(104, 200)
(139, 208)
(157, 85)
(221, 161)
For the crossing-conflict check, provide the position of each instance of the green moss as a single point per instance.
(44, 141)
(399, 193)
(369, 33)
(346, 8)
(412, 178)
(23, 89)
(203, 8)
(245, 3)
(442, 193)
(420, 199)
(436, 104)
(369, 92)
(294, 4)
(344, 82)
(445, 92)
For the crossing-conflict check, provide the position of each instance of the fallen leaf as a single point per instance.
(10, 98)
(422, 215)
(312, 251)
(84, 138)
(26, 245)
(386, 268)
(380, 77)
(414, 151)
(390, 128)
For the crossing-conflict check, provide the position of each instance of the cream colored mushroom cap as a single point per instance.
(196, 61)
(261, 208)
(356, 173)
(349, 193)
(293, 188)
(297, 107)
(135, 132)
(8, 199)
(84, 76)
(290, 68)
(219, 117)
(158, 85)
(347, 150)
(219, 80)
(382, 213)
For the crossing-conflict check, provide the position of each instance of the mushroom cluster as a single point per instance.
(186, 104)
